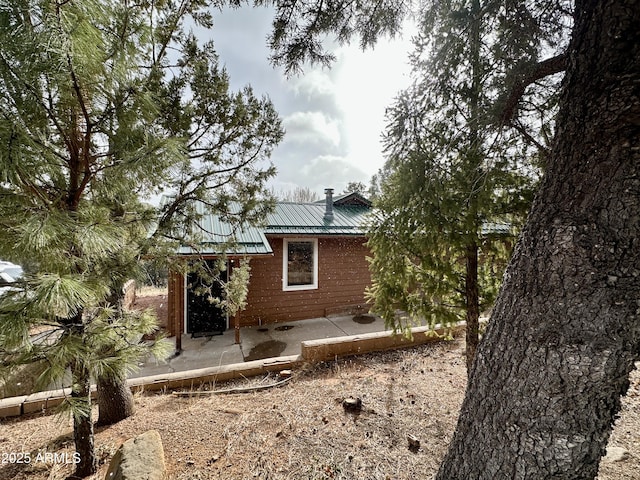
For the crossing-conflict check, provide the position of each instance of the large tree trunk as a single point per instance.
(546, 383)
(115, 400)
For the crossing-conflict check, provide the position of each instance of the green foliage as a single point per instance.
(237, 288)
(450, 176)
(301, 27)
(154, 273)
(101, 105)
(357, 187)
(235, 284)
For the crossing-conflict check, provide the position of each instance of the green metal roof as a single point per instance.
(288, 218)
(219, 236)
(308, 219)
(248, 241)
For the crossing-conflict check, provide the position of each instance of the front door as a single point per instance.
(203, 317)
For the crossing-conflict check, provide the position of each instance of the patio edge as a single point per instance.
(311, 351)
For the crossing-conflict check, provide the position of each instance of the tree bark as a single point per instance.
(546, 383)
(472, 303)
(82, 422)
(476, 156)
(115, 400)
(536, 72)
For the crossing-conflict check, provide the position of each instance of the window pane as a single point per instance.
(300, 263)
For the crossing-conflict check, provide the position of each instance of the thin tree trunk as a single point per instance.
(475, 153)
(115, 400)
(472, 303)
(546, 384)
(82, 422)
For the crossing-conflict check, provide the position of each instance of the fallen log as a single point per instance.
(231, 390)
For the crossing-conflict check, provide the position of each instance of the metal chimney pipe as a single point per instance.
(328, 212)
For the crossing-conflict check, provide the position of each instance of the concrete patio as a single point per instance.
(263, 349)
(257, 342)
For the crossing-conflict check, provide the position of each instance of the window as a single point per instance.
(300, 264)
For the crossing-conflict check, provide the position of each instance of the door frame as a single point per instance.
(186, 301)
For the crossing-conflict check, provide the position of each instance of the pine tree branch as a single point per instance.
(47, 106)
(529, 138)
(540, 70)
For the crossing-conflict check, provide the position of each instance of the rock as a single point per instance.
(414, 443)
(615, 454)
(352, 404)
(139, 458)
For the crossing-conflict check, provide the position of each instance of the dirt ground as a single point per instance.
(300, 430)
(154, 298)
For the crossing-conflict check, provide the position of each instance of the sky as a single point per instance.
(333, 117)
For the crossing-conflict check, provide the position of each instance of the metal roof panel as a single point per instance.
(298, 217)
(218, 235)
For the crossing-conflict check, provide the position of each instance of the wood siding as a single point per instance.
(175, 303)
(343, 275)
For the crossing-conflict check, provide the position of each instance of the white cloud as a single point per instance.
(318, 173)
(311, 127)
(333, 117)
(366, 84)
(315, 82)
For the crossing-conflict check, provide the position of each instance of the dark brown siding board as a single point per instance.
(171, 305)
(175, 303)
(343, 275)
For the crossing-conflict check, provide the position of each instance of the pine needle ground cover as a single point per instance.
(301, 430)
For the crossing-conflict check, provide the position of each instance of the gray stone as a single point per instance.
(615, 454)
(139, 458)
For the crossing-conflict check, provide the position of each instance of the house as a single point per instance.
(9, 275)
(308, 260)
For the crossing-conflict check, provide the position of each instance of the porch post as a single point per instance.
(176, 308)
(236, 325)
(178, 343)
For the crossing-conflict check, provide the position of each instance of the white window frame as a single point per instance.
(285, 265)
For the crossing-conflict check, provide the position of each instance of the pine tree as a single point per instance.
(450, 179)
(94, 116)
(545, 387)
(357, 187)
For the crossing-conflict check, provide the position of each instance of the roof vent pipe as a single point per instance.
(328, 212)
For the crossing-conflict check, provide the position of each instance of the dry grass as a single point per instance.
(150, 291)
(300, 430)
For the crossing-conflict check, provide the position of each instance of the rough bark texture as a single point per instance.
(83, 424)
(548, 376)
(115, 400)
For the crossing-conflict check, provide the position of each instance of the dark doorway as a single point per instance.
(203, 317)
